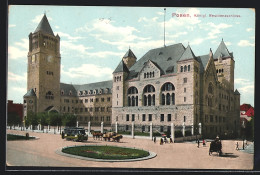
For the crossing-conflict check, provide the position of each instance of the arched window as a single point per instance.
(132, 97)
(147, 74)
(168, 94)
(185, 68)
(188, 67)
(150, 74)
(168, 99)
(181, 68)
(148, 93)
(153, 74)
(217, 71)
(144, 75)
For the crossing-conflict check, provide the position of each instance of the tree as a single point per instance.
(249, 130)
(31, 119)
(69, 120)
(42, 118)
(13, 119)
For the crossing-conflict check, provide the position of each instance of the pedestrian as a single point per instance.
(171, 140)
(204, 143)
(161, 142)
(198, 143)
(237, 148)
(154, 139)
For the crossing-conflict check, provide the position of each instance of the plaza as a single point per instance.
(184, 155)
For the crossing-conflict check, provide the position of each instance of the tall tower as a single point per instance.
(225, 64)
(43, 73)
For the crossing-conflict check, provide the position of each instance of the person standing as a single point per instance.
(198, 143)
(237, 148)
(154, 139)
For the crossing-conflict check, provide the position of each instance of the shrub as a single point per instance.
(157, 134)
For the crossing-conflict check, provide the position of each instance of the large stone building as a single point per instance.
(167, 85)
(172, 85)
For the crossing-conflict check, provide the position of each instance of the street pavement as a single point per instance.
(41, 152)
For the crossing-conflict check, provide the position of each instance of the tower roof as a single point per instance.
(236, 92)
(30, 93)
(222, 51)
(121, 67)
(129, 53)
(188, 54)
(44, 26)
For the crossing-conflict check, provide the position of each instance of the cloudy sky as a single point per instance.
(94, 39)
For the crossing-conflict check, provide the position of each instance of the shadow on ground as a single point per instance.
(230, 155)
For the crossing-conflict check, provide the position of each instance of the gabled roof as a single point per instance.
(121, 67)
(129, 53)
(44, 26)
(250, 112)
(160, 56)
(188, 54)
(203, 60)
(222, 51)
(30, 93)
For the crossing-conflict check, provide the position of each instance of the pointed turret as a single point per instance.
(30, 93)
(236, 92)
(188, 54)
(222, 51)
(44, 26)
(129, 58)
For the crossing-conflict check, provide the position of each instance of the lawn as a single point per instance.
(11, 137)
(106, 152)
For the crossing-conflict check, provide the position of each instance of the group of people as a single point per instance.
(203, 142)
(163, 140)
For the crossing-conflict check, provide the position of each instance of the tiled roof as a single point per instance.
(160, 56)
(129, 53)
(222, 51)
(30, 93)
(44, 26)
(188, 54)
(203, 60)
(100, 86)
(121, 67)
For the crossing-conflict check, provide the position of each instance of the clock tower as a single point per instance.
(43, 73)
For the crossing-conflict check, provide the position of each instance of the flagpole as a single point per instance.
(164, 26)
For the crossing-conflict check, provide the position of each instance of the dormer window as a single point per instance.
(70, 93)
(170, 58)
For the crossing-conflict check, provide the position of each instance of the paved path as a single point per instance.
(41, 152)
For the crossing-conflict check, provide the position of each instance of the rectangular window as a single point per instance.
(108, 118)
(150, 117)
(184, 119)
(127, 117)
(184, 80)
(169, 117)
(96, 109)
(143, 119)
(211, 118)
(184, 99)
(162, 117)
(126, 127)
(102, 109)
(102, 99)
(97, 99)
(108, 98)
(91, 100)
(108, 109)
(102, 118)
(133, 117)
(117, 118)
(184, 90)
(216, 119)
(81, 101)
(117, 88)
(86, 109)
(86, 100)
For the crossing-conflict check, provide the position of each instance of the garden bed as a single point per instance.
(106, 152)
(11, 137)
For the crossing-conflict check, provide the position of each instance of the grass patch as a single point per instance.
(11, 137)
(106, 152)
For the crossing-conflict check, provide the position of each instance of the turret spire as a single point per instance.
(44, 26)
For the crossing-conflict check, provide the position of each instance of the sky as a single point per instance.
(94, 39)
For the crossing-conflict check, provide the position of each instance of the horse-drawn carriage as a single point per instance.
(215, 146)
(115, 137)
